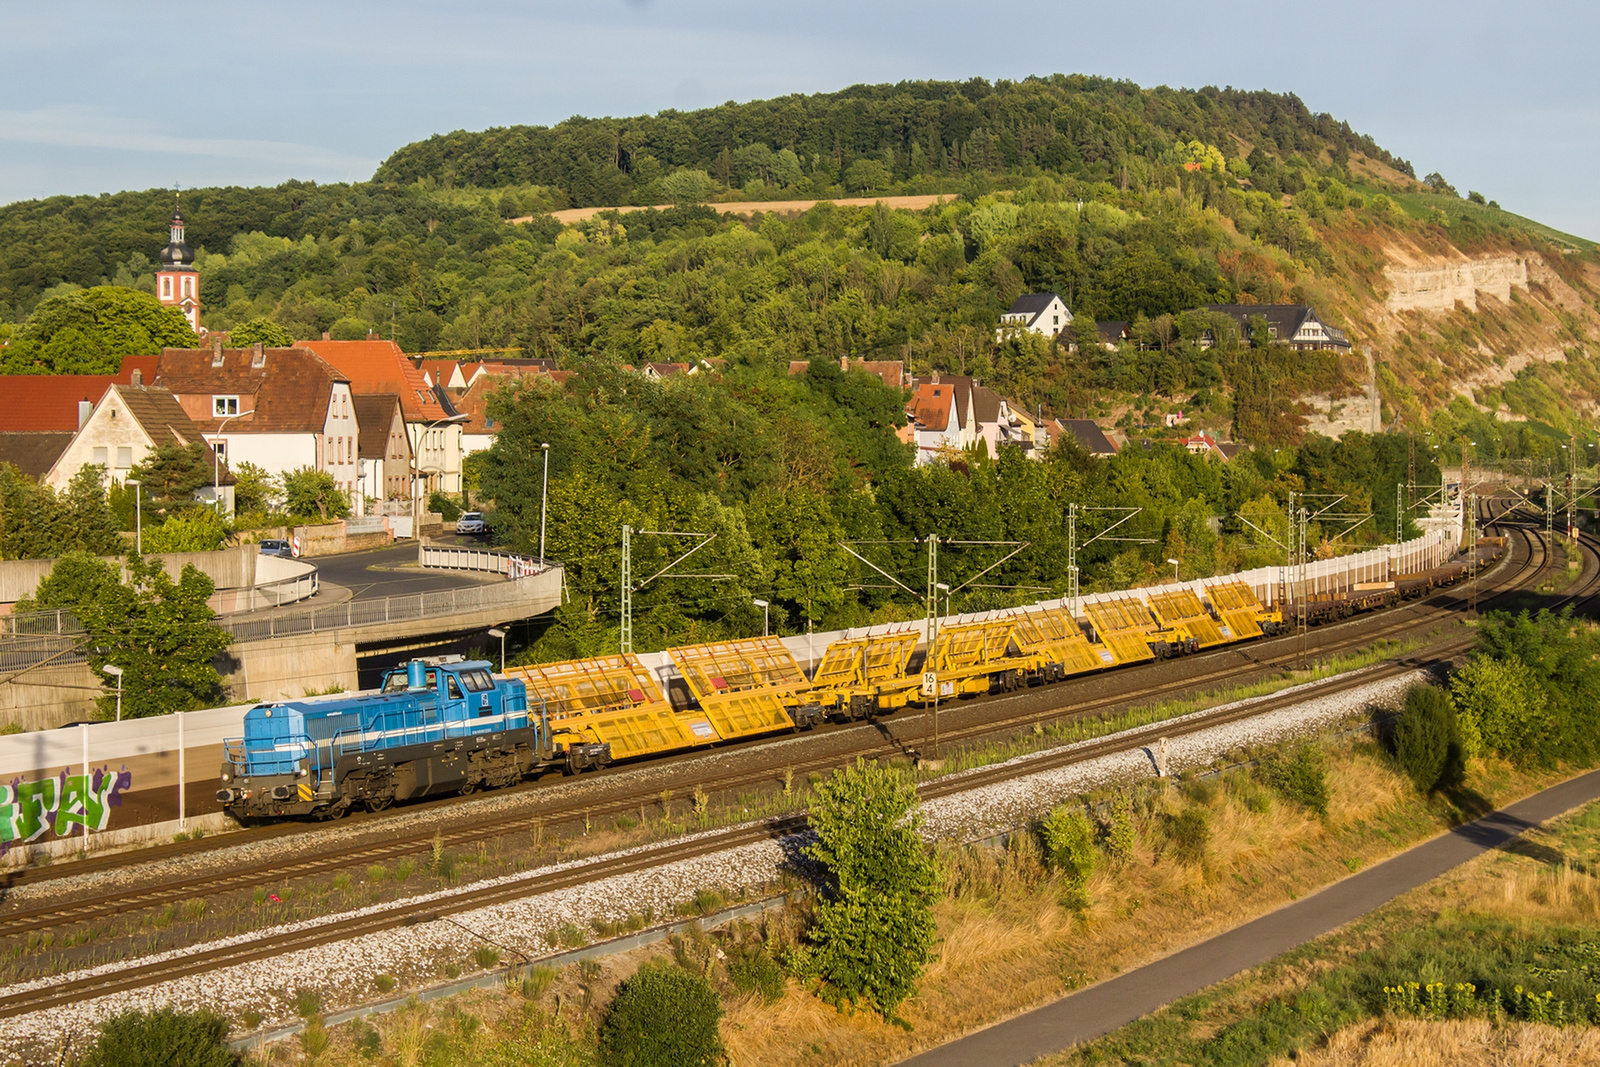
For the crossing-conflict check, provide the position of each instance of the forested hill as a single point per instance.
(919, 132)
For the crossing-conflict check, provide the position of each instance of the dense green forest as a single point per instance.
(870, 138)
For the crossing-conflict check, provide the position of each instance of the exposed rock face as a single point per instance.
(1437, 286)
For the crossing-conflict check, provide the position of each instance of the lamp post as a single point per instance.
(501, 634)
(216, 457)
(544, 495)
(938, 587)
(115, 672)
(1174, 569)
(765, 618)
(417, 467)
(138, 515)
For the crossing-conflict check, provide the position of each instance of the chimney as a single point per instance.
(256, 351)
(85, 409)
(216, 345)
(326, 336)
(137, 377)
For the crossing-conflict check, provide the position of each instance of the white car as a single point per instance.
(471, 522)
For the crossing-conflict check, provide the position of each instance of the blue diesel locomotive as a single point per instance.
(438, 725)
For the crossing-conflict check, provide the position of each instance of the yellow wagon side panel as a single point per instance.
(1242, 624)
(640, 733)
(746, 714)
(1128, 646)
(735, 666)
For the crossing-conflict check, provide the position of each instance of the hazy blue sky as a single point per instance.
(104, 96)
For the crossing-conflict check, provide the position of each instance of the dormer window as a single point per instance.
(224, 406)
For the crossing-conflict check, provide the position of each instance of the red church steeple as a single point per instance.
(177, 282)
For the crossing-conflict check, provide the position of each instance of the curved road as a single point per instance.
(1098, 1010)
(381, 572)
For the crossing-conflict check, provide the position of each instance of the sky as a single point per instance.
(100, 96)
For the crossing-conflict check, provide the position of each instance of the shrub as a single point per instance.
(486, 957)
(874, 930)
(1298, 774)
(1189, 833)
(162, 1038)
(1424, 742)
(755, 971)
(662, 1017)
(1500, 707)
(1121, 836)
(1069, 848)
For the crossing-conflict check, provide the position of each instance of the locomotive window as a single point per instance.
(452, 687)
(395, 683)
(477, 681)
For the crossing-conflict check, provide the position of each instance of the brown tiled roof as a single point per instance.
(1088, 434)
(374, 420)
(159, 412)
(288, 393)
(985, 405)
(380, 367)
(34, 452)
(50, 401)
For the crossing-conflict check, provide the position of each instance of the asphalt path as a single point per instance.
(1099, 1009)
(382, 572)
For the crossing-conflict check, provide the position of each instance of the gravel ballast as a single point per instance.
(343, 974)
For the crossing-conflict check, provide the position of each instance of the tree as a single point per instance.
(254, 489)
(1069, 848)
(88, 332)
(76, 578)
(38, 523)
(684, 187)
(165, 1037)
(1424, 741)
(160, 633)
(873, 932)
(260, 331)
(308, 491)
(663, 1017)
(867, 175)
(1501, 707)
(170, 476)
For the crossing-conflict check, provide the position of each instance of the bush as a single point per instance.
(162, 1038)
(1068, 840)
(1298, 774)
(1424, 742)
(662, 1017)
(1121, 835)
(1499, 707)
(1189, 832)
(873, 932)
(445, 506)
(755, 971)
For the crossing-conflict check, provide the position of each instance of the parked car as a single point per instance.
(277, 548)
(471, 522)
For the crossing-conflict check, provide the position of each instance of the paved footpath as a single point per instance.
(1099, 1009)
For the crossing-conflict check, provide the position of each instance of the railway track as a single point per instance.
(53, 993)
(900, 733)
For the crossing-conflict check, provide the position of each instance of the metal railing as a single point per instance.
(470, 558)
(510, 596)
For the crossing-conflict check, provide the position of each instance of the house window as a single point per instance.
(220, 448)
(101, 456)
(166, 287)
(224, 406)
(124, 457)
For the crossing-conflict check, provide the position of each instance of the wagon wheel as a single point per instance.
(379, 801)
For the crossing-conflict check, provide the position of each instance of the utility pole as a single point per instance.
(1072, 559)
(1399, 513)
(629, 586)
(627, 589)
(932, 631)
(1572, 485)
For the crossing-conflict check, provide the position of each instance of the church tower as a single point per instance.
(177, 282)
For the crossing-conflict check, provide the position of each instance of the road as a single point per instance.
(382, 572)
(1098, 1010)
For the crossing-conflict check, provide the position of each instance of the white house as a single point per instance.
(279, 408)
(1041, 313)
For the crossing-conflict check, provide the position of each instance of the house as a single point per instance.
(662, 371)
(1086, 432)
(123, 428)
(1204, 444)
(279, 408)
(1113, 332)
(997, 421)
(384, 448)
(891, 372)
(935, 412)
(378, 366)
(61, 402)
(1295, 325)
(1041, 313)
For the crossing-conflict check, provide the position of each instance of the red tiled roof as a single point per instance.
(930, 406)
(288, 393)
(50, 401)
(380, 367)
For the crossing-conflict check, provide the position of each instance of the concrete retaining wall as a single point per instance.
(229, 568)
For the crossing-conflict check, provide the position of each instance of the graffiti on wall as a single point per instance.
(64, 804)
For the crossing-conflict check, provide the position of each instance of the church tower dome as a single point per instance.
(177, 282)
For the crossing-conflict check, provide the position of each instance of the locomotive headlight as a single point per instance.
(226, 777)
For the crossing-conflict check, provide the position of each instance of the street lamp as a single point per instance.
(417, 467)
(216, 457)
(544, 495)
(138, 516)
(762, 604)
(115, 672)
(495, 631)
(946, 590)
(1174, 569)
